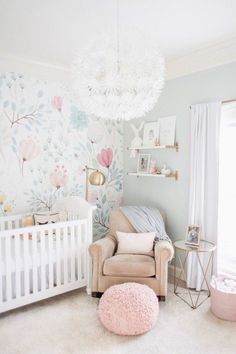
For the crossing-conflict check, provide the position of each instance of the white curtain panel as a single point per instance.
(204, 173)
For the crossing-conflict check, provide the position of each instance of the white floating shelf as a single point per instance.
(137, 148)
(172, 175)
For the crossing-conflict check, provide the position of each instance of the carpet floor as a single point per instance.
(68, 324)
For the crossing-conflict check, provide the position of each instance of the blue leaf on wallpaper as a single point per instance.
(13, 140)
(5, 104)
(89, 147)
(28, 127)
(13, 148)
(78, 119)
(81, 146)
(40, 93)
(41, 106)
(22, 110)
(104, 198)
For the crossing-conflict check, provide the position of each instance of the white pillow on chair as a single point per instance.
(135, 243)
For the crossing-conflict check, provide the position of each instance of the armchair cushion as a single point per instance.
(129, 265)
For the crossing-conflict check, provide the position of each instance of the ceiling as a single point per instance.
(52, 31)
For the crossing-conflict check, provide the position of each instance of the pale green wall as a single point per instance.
(210, 85)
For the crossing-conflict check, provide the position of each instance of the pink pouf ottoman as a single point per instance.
(128, 309)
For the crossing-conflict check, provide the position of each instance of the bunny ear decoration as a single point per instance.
(133, 154)
(135, 130)
(141, 126)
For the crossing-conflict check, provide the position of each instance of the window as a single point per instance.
(227, 192)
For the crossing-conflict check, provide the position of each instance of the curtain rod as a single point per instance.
(224, 102)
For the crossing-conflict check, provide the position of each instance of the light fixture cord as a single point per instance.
(117, 35)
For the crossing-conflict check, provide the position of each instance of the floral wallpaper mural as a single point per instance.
(45, 142)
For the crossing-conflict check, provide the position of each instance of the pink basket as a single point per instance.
(223, 304)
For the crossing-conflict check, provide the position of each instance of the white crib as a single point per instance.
(41, 261)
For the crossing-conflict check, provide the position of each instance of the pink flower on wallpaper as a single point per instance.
(57, 103)
(59, 177)
(28, 150)
(105, 157)
(92, 197)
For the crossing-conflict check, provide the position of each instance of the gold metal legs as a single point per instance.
(194, 295)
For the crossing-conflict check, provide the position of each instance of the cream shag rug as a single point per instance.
(69, 324)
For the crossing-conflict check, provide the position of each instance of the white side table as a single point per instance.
(206, 248)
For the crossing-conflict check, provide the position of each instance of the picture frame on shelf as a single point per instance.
(167, 130)
(143, 163)
(151, 134)
(193, 235)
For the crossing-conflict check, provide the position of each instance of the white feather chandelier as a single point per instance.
(119, 79)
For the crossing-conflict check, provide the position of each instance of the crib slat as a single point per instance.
(1, 289)
(50, 258)
(16, 223)
(42, 265)
(65, 258)
(17, 265)
(58, 255)
(78, 247)
(26, 263)
(86, 274)
(84, 251)
(34, 262)
(8, 269)
(72, 252)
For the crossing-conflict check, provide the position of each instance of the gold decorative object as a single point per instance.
(96, 178)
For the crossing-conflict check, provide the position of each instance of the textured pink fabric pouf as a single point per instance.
(128, 309)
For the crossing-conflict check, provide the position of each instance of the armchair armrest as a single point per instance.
(103, 248)
(163, 253)
(100, 251)
(165, 250)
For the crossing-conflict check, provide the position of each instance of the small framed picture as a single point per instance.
(151, 134)
(167, 130)
(144, 163)
(193, 236)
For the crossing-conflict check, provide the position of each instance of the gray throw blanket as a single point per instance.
(146, 219)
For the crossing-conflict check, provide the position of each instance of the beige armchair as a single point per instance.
(109, 269)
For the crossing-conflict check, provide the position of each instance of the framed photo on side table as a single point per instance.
(193, 236)
(143, 163)
(151, 134)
